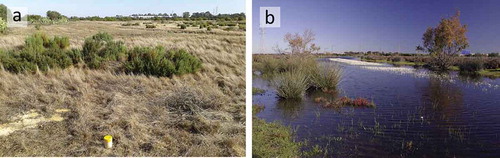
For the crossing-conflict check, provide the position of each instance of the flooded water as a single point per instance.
(418, 113)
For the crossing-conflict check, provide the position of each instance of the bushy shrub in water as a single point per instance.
(100, 48)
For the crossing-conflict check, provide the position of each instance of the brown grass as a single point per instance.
(199, 114)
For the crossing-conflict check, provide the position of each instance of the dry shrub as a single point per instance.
(190, 100)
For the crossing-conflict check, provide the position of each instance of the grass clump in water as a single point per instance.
(327, 77)
(291, 84)
(293, 74)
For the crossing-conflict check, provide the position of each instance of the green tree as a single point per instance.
(445, 41)
(53, 15)
(185, 15)
(3, 11)
(34, 17)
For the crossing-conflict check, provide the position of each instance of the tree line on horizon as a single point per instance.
(54, 15)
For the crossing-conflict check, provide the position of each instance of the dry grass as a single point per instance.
(147, 116)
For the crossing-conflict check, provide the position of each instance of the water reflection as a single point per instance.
(290, 108)
(442, 94)
(470, 77)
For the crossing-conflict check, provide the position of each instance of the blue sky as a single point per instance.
(378, 25)
(126, 7)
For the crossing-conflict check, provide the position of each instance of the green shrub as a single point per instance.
(149, 61)
(100, 48)
(183, 26)
(37, 26)
(158, 62)
(232, 28)
(54, 15)
(397, 59)
(12, 61)
(209, 28)
(494, 55)
(131, 24)
(3, 26)
(184, 62)
(39, 52)
(150, 26)
(231, 24)
(291, 84)
(75, 55)
(242, 27)
(471, 66)
(493, 63)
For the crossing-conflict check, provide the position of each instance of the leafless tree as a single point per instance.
(301, 44)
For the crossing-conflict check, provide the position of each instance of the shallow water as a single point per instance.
(418, 114)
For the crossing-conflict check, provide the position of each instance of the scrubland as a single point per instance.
(195, 114)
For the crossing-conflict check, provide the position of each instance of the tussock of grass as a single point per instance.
(291, 84)
(327, 77)
(189, 100)
(292, 75)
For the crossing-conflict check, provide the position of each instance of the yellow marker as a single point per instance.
(108, 141)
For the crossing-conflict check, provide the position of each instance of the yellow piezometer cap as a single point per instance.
(108, 138)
